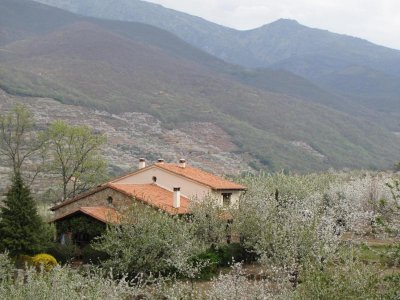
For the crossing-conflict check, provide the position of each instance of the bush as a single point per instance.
(233, 253)
(63, 253)
(210, 256)
(23, 261)
(393, 259)
(46, 260)
(6, 267)
(68, 283)
(90, 255)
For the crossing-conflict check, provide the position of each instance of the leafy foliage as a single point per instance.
(18, 141)
(81, 224)
(209, 221)
(349, 279)
(45, 261)
(63, 253)
(75, 157)
(6, 267)
(22, 231)
(149, 241)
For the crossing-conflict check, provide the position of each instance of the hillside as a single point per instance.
(134, 135)
(318, 55)
(107, 66)
(274, 43)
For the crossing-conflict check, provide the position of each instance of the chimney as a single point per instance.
(182, 163)
(142, 163)
(177, 197)
(160, 161)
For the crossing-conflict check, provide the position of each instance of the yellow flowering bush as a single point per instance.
(48, 261)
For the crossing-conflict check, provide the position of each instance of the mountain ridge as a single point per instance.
(99, 67)
(311, 53)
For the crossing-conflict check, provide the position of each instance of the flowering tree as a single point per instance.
(293, 222)
(210, 221)
(150, 241)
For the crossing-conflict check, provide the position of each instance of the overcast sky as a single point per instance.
(375, 20)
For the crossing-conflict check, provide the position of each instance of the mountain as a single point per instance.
(281, 43)
(318, 55)
(129, 67)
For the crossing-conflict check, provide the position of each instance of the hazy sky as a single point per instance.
(375, 20)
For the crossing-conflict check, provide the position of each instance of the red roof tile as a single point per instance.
(158, 197)
(195, 174)
(153, 195)
(102, 213)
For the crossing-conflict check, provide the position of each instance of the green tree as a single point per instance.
(22, 231)
(75, 157)
(18, 140)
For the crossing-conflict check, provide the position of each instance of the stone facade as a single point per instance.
(101, 198)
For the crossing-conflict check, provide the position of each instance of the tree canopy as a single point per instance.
(75, 157)
(22, 230)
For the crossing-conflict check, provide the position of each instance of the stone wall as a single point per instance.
(119, 201)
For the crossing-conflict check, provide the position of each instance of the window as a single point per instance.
(226, 199)
(154, 179)
(110, 200)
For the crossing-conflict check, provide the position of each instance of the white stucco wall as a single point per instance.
(234, 198)
(167, 180)
(189, 188)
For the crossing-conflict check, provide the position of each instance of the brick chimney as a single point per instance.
(182, 163)
(142, 163)
(177, 197)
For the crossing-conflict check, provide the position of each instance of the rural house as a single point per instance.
(165, 186)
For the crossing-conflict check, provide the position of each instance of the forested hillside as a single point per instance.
(122, 66)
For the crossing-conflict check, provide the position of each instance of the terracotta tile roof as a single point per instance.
(153, 195)
(156, 196)
(150, 194)
(102, 213)
(195, 174)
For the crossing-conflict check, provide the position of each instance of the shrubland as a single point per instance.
(306, 236)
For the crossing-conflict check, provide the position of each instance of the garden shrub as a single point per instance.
(63, 253)
(391, 285)
(6, 267)
(232, 253)
(393, 259)
(213, 259)
(91, 255)
(46, 260)
(23, 261)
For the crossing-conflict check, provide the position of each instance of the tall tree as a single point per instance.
(22, 230)
(18, 142)
(75, 157)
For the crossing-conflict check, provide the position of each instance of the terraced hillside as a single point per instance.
(112, 67)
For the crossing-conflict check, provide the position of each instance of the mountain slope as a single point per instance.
(95, 66)
(270, 44)
(318, 55)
